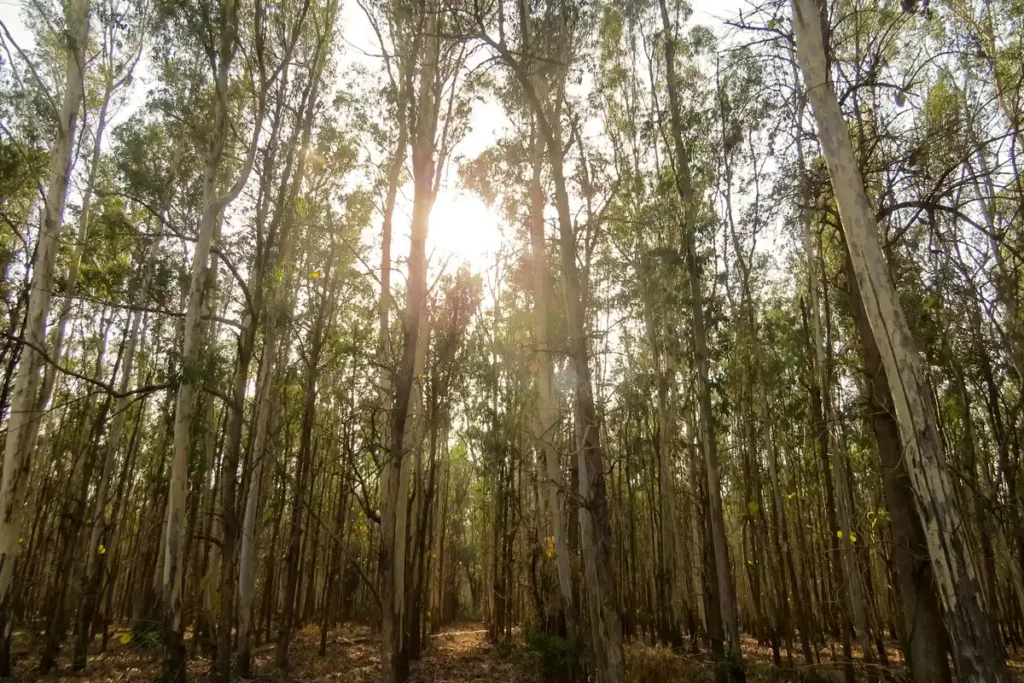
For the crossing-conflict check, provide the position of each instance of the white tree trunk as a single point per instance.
(67, 305)
(280, 305)
(595, 516)
(977, 650)
(260, 452)
(546, 415)
(214, 204)
(174, 544)
(408, 391)
(20, 426)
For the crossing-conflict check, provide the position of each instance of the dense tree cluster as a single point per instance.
(748, 361)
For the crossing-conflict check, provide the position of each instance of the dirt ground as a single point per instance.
(460, 653)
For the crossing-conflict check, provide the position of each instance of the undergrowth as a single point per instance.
(659, 664)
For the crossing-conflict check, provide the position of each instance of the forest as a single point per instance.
(624, 341)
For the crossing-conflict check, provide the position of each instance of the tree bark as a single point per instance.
(213, 205)
(546, 416)
(408, 386)
(977, 650)
(924, 638)
(22, 418)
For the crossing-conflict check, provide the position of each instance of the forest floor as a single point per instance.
(460, 653)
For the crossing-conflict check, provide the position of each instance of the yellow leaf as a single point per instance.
(314, 275)
(101, 550)
(789, 496)
(853, 538)
(125, 638)
(839, 534)
(549, 546)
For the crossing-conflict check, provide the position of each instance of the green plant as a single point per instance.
(554, 658)
(146, 633)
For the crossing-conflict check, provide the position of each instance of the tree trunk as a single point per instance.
(726, 591)
(213, 205)
(977, 651)
(280, 303)
(924, 638)
(408, 388)
(95, 556)
(668, 591)
(594, 516)
(75, 499)
(304, 470)
(546, 416)
(20, 425)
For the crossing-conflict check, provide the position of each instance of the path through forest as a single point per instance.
(462, 654)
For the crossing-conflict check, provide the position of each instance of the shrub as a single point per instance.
(147, 633)
(554, 659)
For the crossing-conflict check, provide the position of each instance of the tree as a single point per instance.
(221, 42)
(977, 653)
(21, 427)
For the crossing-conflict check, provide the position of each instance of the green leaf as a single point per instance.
(753, 508)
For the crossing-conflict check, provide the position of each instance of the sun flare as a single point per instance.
(464, 229)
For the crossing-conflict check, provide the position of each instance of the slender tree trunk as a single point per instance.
(213, 205)
(384, 304)
(74, 267)
(75, 498)
(22, 418)
(924, 637)
(95, 557)
(175, 518)
(667, 580)
(594, 516)
(837, 572)
(408, 389)
(265, 391)
(977, 652)
(726, 591)
(334, 563)
(546, 416)
(304, 467)
(224, 556)
(782, 530)
(280, 303)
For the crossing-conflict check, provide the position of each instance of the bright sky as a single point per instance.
(462, 227)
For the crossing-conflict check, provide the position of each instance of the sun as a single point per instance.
(464, 229)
